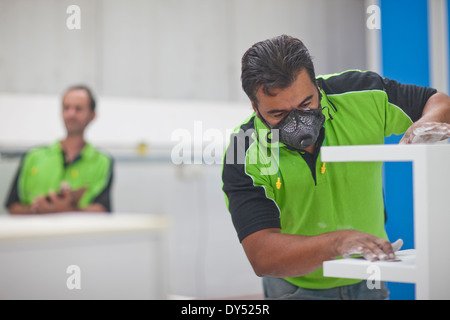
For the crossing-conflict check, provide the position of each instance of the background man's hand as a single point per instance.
(61, 202)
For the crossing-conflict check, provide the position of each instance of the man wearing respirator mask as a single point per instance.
(291, 219)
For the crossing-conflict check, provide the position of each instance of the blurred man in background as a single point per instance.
(69, 175)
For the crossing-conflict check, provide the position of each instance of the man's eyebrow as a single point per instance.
(276, 111)
(306, 100)
(300, 104)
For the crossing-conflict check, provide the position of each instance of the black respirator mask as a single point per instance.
(300, 128)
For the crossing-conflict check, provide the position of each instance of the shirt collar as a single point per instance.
(328, 107)
(85, 151)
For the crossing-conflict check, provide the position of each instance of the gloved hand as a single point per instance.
(397, 245)
(426, 132)
(371, 256)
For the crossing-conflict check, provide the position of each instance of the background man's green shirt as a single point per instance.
(44, 168)
(361, 108)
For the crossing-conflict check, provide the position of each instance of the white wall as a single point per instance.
(173, 49)
(32, 119)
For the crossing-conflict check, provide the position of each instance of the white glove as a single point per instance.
(397, 245)
(372, 257)
(426, 132)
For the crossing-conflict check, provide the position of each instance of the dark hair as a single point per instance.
(274, 63)
(92, 102)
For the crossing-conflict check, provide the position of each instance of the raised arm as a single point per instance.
(434, 125)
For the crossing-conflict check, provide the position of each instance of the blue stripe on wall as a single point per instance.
(448, 32)
(405, 40)
(404, 30)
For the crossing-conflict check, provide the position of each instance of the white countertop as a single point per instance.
(25, 226)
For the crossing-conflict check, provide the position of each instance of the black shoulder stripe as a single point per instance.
(353, 80)
(248, 204)
(408, 97)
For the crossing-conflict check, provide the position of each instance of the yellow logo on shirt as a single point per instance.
(74, 173)
(34, 170)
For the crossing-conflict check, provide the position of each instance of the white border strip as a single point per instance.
(438, 44)
(373, 38)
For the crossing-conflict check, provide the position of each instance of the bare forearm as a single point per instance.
(285, 255)
(275, 254)
(437, 109)
(434, 125)
(19, 208)
(94, 207)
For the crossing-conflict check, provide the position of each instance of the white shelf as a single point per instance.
(428, 266)
(360, 268)
(387, 152)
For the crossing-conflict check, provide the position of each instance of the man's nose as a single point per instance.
(70, 112)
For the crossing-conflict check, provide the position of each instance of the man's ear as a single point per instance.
(92, 117)
(255, 108)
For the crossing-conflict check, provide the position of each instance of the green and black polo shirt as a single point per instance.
(44, 168)
(361, 108)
